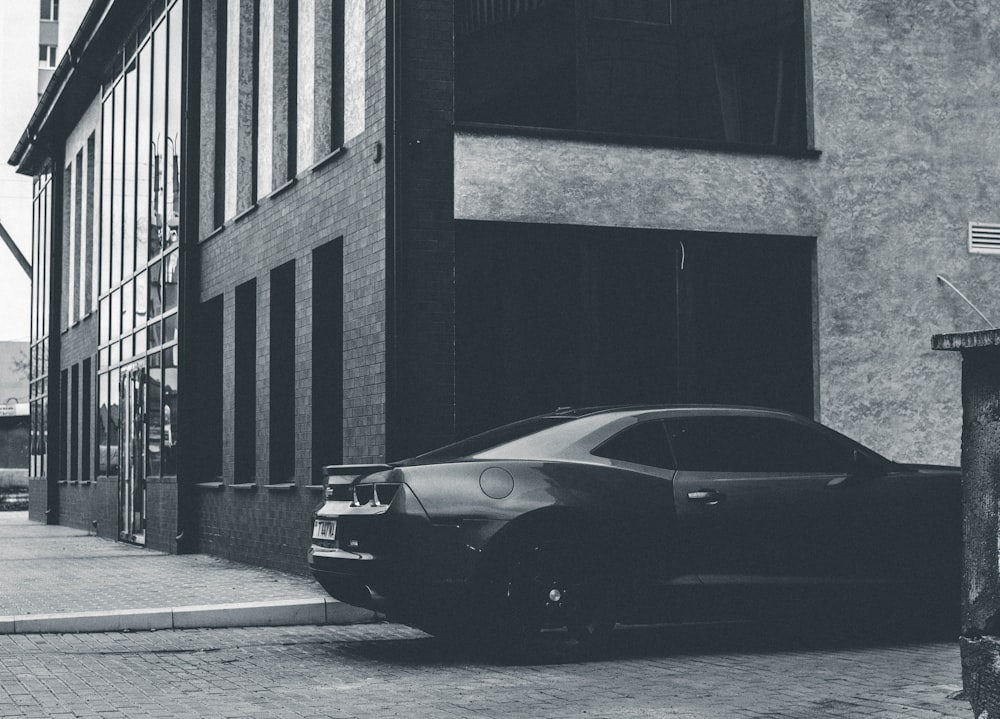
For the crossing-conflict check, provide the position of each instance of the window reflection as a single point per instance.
(170, 281)
(155, 294)
(170, 328)
(129, 168)
(142, 224)
(153, 416)
(102, 426)
(170, 392)
(159, 142)
(140, 219)
(111, 454)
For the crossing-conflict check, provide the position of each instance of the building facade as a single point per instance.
(272, 235)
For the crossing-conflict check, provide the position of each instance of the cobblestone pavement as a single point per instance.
(47, 569)
(388, 670)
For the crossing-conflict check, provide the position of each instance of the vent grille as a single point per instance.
(984, 237)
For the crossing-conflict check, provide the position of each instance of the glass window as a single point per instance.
(170, 267)
(114, 421)
(128, 307)
(245, 383)
(143, 154)
(644, 443)
(154, 338)
(102, 425)
(160, 146)
(756, 444)
(107, 169)
(129, 170)
(699, 69)
(141, 299)
(115, 316)
(154, 425)
(490, 439)
(173, 170)
(155, 305)
(50, 10)
(170, 328)
(170, 419)
(47, 56)
(282, 361)
(117, 163)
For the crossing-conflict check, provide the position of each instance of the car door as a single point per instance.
(755, 499)
(903, 523)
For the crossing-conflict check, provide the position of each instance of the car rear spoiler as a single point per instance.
(347, 473)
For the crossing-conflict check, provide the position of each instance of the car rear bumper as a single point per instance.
(348, 576)
(391, 586)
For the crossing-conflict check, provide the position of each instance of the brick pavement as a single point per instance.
(52, 569)
(389, 671)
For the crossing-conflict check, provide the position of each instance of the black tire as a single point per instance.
(543, 582)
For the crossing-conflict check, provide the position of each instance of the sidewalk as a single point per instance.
(59, 579)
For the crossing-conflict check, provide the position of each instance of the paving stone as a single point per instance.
(388, 670)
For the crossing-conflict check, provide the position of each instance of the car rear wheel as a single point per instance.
(547, 582)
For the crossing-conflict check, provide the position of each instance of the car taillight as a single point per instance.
(339, 492)
(375, 495)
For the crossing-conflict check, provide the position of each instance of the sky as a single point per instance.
(19, 90)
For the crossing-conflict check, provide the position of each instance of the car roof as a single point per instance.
(680, 408)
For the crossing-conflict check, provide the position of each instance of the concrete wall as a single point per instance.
(903, 102)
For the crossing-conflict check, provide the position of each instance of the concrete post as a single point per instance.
(980, 640)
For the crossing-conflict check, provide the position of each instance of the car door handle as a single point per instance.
(706, 496)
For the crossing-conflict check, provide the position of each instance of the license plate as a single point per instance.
(325, 529)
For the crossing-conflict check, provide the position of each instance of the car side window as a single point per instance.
(644, 443)
(755, 444)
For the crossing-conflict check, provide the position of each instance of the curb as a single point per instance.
(282, 612)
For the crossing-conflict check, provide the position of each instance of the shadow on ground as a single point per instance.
(821, 632)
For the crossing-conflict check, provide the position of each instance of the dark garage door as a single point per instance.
(551, 315)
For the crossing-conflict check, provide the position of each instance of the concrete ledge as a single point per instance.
(100, 621)
(252, 614)
(340, 613)
(284, 612)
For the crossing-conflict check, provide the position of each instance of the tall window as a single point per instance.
(137, 220)
(74, 424)
(722, 70)
(86, 420)
(207, 415)
(38, 357)
(327, 356)
(282, 359)
(245, 383)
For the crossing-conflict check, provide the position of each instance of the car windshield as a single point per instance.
(487, 440)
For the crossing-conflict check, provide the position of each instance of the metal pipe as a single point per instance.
(942, 278)
(15, 250)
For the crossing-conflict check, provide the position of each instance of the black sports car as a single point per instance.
(586, 517)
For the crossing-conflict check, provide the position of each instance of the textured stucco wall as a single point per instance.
(903, 105)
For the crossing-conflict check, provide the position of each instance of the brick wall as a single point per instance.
(341, 197)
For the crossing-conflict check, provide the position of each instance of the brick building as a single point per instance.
(276, 234)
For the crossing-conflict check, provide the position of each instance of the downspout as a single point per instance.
(392, 86)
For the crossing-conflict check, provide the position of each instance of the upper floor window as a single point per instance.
(722, 70)
(50, 10)
(47, 55)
